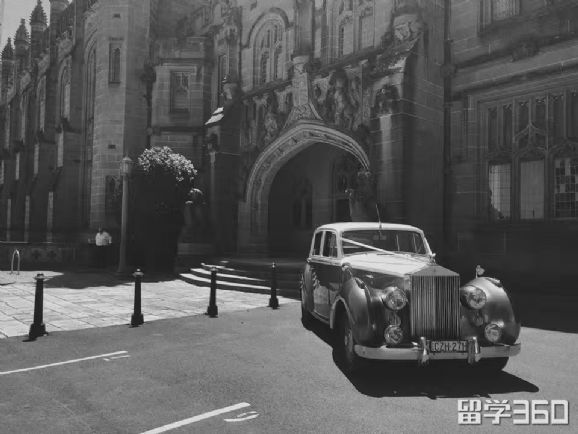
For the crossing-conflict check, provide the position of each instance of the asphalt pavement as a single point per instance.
(254, 371)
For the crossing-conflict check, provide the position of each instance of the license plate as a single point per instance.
(448, 346)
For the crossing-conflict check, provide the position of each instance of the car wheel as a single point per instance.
(493, 365)
(306, 317)
(345, 354)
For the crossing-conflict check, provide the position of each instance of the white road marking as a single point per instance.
(197, 418)
(116, 357)
(67, 362)
(243, 416)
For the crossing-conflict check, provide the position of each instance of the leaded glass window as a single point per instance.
(532, 189)
(566, 187)
(500, 189)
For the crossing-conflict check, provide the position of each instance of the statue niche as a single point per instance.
(196, 228)
(342, 101)
(362, 200)
(386, 100)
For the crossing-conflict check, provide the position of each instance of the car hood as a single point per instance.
(399, 265)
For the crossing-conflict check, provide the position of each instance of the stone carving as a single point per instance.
(406, 28)
(362, 201)
(342, 100)
(386, 100)
(271, 121)
(196, 226)
(524, 49)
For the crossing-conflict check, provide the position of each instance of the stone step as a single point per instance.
(198, 280)
(264, 274)
(284, 280)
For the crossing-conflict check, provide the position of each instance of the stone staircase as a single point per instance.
(250, 275)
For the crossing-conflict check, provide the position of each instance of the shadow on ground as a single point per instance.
(556, 312)
(450, 379)
(95, 278)
(393, 379)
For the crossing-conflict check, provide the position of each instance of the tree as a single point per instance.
(163, 180)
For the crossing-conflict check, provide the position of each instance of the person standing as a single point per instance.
(102, 240)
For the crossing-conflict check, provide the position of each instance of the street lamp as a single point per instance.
(125, 170)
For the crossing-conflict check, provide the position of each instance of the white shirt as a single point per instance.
(103, 239)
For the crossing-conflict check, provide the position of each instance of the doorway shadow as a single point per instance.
(448, 379)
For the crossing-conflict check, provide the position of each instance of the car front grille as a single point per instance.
(435, 307)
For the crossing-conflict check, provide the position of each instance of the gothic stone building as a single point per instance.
(456, 116)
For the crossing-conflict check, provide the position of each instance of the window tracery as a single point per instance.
(269, 52)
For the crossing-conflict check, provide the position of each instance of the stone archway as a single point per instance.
(253, 210)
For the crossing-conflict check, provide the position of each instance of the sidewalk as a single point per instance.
(78, 300)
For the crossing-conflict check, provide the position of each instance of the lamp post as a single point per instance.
(125, 170)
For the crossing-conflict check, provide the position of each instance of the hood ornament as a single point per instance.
(479, 271)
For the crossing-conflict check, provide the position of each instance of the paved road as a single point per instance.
(255, 370)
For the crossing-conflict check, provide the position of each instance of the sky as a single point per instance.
(14, 10)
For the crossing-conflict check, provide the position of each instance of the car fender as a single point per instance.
(306, 285)
(363, 308)
(498, 309)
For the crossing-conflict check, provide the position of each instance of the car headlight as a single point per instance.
(393, 335)
(493, 332)
(395, 299)
(474, 297)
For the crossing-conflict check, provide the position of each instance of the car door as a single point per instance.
(316, 266)
(334, 272)
(328, 270)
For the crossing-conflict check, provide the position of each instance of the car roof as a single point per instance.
(349, 226)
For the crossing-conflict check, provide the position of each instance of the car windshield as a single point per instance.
(391, 240)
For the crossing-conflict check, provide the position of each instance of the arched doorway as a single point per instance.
(308, 191)
(329, 145)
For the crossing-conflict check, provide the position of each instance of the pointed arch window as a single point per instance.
(264, 68)
(179, 91)
(65, 94)
(7, 126)
(41, 103)
(114, 64)
(269, 52)
(23, 115)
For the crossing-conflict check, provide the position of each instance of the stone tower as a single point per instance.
(38, 25)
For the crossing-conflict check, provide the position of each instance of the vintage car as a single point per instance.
(380, 290)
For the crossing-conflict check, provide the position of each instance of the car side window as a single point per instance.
(330, 245)
(317, 244)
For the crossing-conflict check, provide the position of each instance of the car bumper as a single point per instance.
(422, 355)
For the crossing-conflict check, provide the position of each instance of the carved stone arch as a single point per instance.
(253, 210)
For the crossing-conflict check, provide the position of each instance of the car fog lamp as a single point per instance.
(395, 299)
(475, 297)
(393, 335)
(493, 332)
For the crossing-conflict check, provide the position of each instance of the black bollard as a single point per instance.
(137, 316)
(38, 328)
(213, 310)
(273, 301)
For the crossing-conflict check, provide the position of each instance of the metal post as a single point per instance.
(213, 310)
(38, 328)
(273, 301)
(137, 317)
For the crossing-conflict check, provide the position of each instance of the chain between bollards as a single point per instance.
(38, 328)
(273, 301)
(213, 310)
(137, 316)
